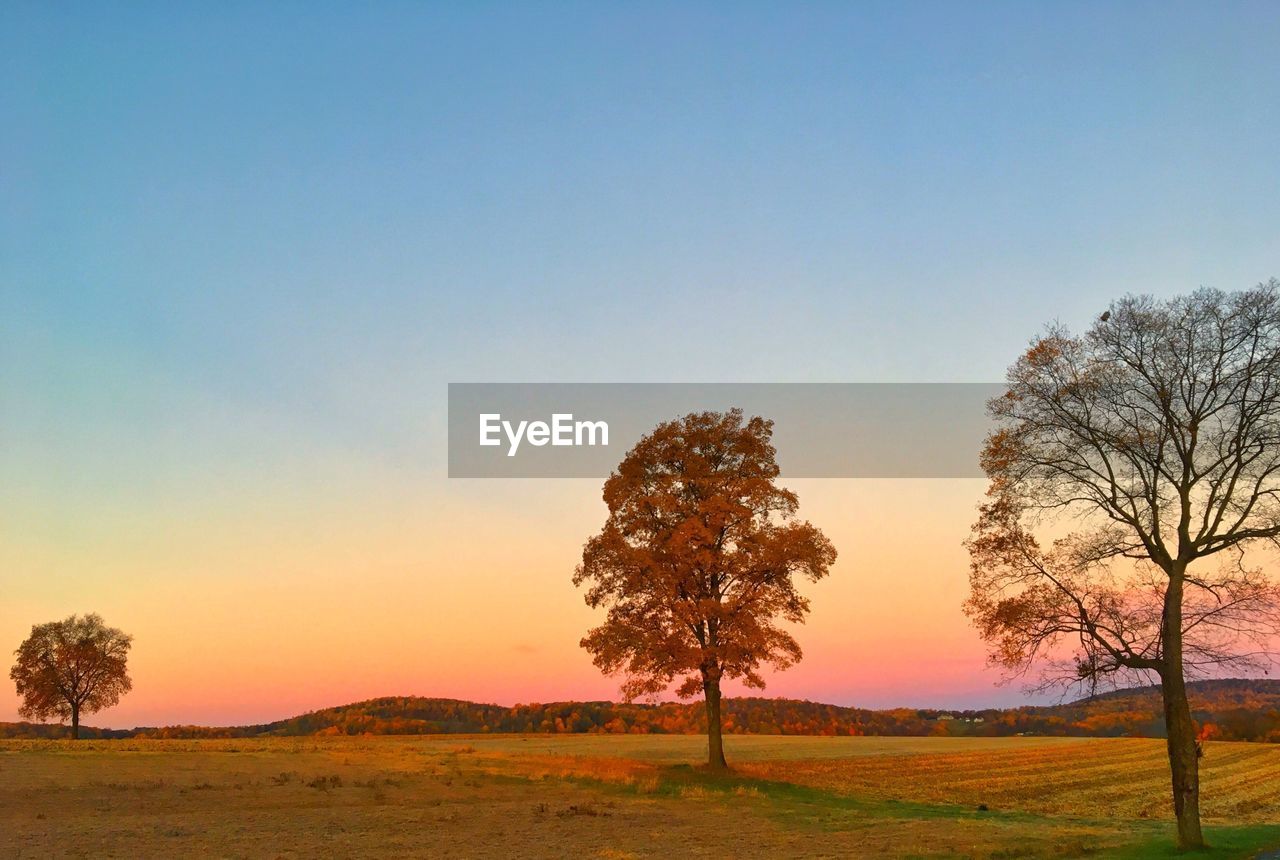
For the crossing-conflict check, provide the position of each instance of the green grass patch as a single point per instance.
(1244, 841)
(802, 807)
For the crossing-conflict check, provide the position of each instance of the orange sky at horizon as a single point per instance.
(466, 593)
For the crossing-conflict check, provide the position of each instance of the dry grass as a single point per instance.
(603, 797)
(1108, 778)
(680, 749)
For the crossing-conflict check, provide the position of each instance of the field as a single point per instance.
(620, 796)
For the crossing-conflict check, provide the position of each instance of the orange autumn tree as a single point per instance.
(71, 667)
(697, 563)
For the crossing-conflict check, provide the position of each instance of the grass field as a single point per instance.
(621, 796)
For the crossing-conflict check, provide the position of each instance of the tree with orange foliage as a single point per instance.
(1153, 442)
(66, 668)
(697, 563)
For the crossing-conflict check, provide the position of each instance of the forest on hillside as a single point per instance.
(1247, 710)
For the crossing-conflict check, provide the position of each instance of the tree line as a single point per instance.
(1240, 710)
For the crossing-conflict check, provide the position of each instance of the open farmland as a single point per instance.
(620, 796)
(1122, 777)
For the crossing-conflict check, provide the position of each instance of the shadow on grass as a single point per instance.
(801, 807)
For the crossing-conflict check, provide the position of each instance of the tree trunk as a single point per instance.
(75, 722)
(1184, 753)
(715, 737)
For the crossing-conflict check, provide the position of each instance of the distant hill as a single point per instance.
(1226, 709)
(1230, 709)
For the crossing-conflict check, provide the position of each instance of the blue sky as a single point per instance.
(319, 203)
(243, 247)
(825, 190)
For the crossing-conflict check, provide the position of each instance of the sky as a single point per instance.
(245, 247)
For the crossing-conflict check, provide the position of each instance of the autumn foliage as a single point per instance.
(697, 563)
(1225, 710)
(71, 667)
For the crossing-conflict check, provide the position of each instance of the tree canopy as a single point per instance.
(698, 561)
(1133, 470)
(69, 667)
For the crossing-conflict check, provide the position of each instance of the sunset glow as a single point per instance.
(242, 259)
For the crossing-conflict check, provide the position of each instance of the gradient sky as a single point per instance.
(243, 250)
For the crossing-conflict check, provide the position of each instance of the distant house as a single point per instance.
(945, 717)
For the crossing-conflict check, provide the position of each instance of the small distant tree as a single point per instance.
(697, 563)
(71, 667)
(1133, 469)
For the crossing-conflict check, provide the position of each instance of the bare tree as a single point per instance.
(1133, 472)
(69, 667)
(698, 561)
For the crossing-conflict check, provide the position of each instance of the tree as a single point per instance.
(1150, 449)
(66, 668)
(697, 563)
